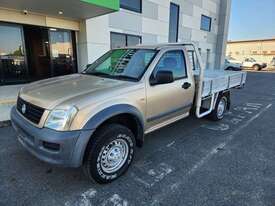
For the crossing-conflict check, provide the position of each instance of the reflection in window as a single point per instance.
(172, 61)
(61, 44)
(205, 23)
(173, 22)
(12, 57)
(132, 5)
(118, 40)
(61, 52)
(133, 40)
(122, 40)
(126, 62)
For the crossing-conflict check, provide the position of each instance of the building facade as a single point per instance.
(204, 22)
(42, 39)
(261, 50)
(39, 41)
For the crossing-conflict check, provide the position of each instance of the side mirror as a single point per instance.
(163, 77)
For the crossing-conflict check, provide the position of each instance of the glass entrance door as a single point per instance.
(29, 53)
(13, 67)
(62, 52)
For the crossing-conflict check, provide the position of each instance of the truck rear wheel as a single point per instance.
(220, 108)
(110, 153)
(257, 67)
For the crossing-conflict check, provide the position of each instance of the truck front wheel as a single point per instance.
(110, 153)
(220, 108)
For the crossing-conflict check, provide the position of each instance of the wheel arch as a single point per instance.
(124, 114)
(259, 66)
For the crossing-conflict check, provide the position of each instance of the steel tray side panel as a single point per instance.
(206, 88)
(219, 81)
(235, 80)
(219, 84)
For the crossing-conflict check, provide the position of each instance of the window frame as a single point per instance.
(160, 58)
(131, 8)
(210, 23)
(192, 52)
(126, 38)
(178, 20)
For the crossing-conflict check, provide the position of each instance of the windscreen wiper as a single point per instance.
(101, 74)
(125, 77)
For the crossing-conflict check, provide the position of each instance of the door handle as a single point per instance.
(186, 85)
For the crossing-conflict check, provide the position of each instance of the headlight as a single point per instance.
(61, 120)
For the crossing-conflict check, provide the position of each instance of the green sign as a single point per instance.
(110, 4)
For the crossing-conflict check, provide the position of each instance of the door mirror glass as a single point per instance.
(163, 77)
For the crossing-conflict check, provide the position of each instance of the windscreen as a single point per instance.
(124, 64)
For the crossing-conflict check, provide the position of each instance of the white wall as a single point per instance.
(153, 26)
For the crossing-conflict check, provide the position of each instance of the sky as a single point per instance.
(252, 19)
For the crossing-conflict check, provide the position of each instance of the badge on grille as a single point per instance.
(24, 108)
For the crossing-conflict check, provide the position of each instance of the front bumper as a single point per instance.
(60, 148)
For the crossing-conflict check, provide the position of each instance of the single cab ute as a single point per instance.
(252, 63)
(96, 119)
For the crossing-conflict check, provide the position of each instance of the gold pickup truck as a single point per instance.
(96, 119)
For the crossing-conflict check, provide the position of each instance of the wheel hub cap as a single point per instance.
(221, 108)
(114, 156)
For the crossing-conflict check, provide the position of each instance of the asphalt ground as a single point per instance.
(191, 162)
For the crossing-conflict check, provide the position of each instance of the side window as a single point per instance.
(172, 61)
(206, 23)
(119, 40)
(174, 22)
(132, 5)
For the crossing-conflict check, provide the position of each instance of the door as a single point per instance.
(168, 101)
(247, 63)
(63, 59)
(38, 54)
(13, 67)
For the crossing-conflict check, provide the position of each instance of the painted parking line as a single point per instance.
(248, 108)
(89, 198)
(176, 186)
(216, 126)
(150, 174)
(238, 115)
(115, 200)
(147, 174)
(85, 199)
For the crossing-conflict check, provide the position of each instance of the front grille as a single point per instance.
(32, 112)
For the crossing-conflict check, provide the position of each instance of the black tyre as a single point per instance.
(257, 67)
(110, 153)
(220, 108)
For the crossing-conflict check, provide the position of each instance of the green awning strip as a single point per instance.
(110, 4)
